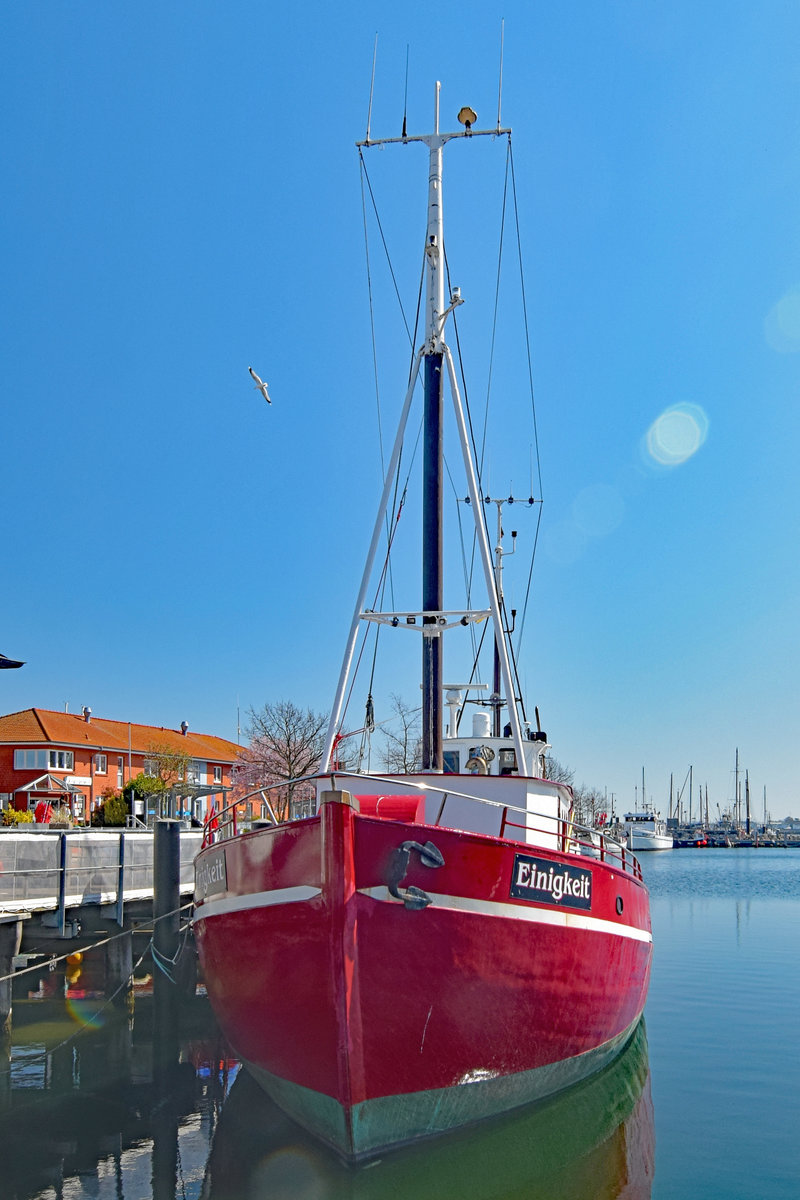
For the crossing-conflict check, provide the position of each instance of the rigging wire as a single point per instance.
(479, 457)
(532, 396)
(496, 302)
(386, 576)
(364, 176)
(372, 321)
(365, 173)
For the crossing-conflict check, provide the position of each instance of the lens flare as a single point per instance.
(782, 323)
(86, 1012)
(676, 435)
(287, 1174)
(564, 543)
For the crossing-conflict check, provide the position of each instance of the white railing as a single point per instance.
(571, 837)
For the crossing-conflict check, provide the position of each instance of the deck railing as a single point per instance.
(569, 836)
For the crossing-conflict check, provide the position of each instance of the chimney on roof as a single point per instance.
(87, 713)
(184, 727)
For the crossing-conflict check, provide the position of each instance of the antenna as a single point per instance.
(500, 83)
(372, 84)
(405, 97)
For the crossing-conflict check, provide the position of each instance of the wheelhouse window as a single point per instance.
(452, 762)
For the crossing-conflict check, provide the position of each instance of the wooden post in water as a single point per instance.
(166, 930)
(119, 969)
(10, 938)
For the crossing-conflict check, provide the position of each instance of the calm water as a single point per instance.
(704, 1104)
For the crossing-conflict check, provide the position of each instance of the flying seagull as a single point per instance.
(260, 385)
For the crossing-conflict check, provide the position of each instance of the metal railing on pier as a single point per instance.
(61, 869)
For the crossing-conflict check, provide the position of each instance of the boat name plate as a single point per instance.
(210, 874)
(549, 883)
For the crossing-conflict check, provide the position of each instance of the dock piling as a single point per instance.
(166, 931)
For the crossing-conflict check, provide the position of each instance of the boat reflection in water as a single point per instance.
(594, 1140)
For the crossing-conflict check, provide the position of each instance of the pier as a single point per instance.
(62, 890)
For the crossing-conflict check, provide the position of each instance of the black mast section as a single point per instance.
(432, 586)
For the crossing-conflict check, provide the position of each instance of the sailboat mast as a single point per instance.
(747, 798)
(432, 469)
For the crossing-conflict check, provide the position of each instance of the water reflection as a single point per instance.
(88, 1108)
(594, 1141)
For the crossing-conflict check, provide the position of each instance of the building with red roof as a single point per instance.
(71, 758)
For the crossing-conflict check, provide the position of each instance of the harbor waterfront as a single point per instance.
(703, 1102)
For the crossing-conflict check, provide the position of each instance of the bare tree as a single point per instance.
(167, 766)
(589, 803)
(285, 744)
(557, 771)
(402, 751)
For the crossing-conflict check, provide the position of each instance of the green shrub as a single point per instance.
(114, 810)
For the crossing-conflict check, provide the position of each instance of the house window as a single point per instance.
(151, 768)
(61, 760)
(100, 764)
(25, 760)
(120, 770)
(217, 774)
(194, 772)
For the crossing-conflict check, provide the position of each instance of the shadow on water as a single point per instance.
(594, 1142)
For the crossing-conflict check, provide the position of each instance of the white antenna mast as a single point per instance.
(500, 83)
(372, 85)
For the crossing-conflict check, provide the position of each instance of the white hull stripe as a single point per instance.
(231, 904)
(518, 912)
(488, 908)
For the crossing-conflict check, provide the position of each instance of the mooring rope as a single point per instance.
(53, 960)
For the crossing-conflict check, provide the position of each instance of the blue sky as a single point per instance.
(182, 199)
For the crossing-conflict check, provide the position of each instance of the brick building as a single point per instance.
(70, 758)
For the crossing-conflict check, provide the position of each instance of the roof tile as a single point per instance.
(38, 725)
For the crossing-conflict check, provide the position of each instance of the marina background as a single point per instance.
(704, 1104)
(183, 201)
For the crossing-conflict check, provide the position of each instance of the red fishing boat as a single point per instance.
(428, 948)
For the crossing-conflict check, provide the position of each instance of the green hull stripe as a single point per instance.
(391, 1121)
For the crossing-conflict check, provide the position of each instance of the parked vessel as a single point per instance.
(429, 948)
(647, 831)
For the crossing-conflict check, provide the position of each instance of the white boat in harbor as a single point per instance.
(647, 831)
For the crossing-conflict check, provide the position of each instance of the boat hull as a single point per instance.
(375, 1024)
(642, 840)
